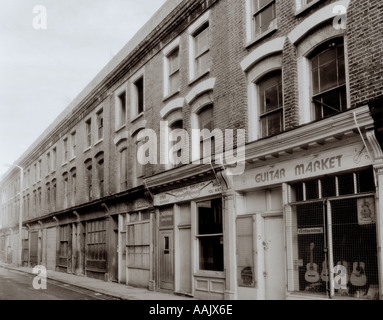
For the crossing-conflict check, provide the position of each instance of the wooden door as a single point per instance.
(166, 260)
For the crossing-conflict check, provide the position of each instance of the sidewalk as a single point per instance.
(112, 289)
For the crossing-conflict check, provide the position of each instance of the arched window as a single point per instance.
(328, 79)
(270, 104)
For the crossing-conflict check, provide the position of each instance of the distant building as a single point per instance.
(303, 221)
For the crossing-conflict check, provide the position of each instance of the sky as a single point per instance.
(46, 63)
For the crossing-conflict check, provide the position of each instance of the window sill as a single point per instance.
(120, 128)
(87, 149)
(306, 7)
(98, 142)
(261, 36)
(171, 95)
(200, 76)
(72, 159)
(137, 117)
(210, 274)
(64, 164)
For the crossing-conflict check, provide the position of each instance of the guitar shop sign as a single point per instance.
(199, 190)
(328, 162)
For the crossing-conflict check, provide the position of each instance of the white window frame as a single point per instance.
(302, 5)
(166, 52)
(191, 31)
(250, 37)
(98, 113)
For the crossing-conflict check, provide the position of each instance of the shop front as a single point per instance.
(312, 223)
(190, 233)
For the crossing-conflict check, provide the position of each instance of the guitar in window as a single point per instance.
(312, 274)
(358, 276)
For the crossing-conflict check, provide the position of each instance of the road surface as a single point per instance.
(15, 285)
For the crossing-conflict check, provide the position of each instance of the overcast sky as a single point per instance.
(43, 70)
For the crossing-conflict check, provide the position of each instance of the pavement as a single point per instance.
(112, 289)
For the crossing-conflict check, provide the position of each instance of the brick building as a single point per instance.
(304, 79)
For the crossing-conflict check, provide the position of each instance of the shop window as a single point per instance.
(329, 79)
(64, 245)
(96, 245)
(138, 240)
(263, 16)
(245, 252)
(338, 231)
(271, 104)
(210, 235)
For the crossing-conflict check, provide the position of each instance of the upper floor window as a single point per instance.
(54, 158)
(65, 190)
(175, 149)
(263, 16)
(73, 176)
(121, 109)
(100, 174)
(138, 95)
(206, 121)
(88, 132)
(100, 125)
(48, 163)
(65, 142)
(271, 104)
(89, 178)
(73, 144)
(201, 50)
(123, 161)
(328, 79)
(173, 67)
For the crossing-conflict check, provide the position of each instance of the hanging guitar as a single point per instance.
(358, 276)
(325, 275)
(312, 274)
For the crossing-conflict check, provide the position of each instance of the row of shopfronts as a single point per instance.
(301, 223)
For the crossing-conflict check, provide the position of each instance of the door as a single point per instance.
(274, 259)
(51, 248)
(166, 260)
(34, 236)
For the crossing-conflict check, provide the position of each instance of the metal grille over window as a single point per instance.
(245, 254)
(331, 233)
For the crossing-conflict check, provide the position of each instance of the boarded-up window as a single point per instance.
(245, 252)
(64, 245)
(138, 245)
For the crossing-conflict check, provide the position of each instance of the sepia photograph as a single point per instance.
(191, 154)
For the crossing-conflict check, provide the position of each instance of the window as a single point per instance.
(39, 196)
(54, 158)
(121, 110)
(328, 79)
(65, 190)
(48, 188)
(73, 144)
(89, 177)
(271, 105)
(332, 222)
(139, 96)
(88, 129)
(54, 194)
(210, 235)
(139, 168)
(173, 66)
(201, 50)
(263, 16)
(49, 163)
(65, 142)
(100, 125)
(100, 174)
(175, 149)
(39, 170)
(123, 169)
(206, 121)
(73, 186)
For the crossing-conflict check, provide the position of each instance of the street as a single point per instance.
(15, 285)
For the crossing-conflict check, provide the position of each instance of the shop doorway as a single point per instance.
(274, 259)
(166, 246)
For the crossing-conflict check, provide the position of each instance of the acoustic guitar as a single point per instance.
(358, 276)
(312, 274)
(325, 276)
